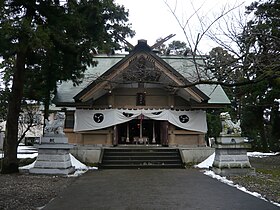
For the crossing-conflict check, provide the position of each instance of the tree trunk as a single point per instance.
(261, 128)
(46, 110)
(10, 162)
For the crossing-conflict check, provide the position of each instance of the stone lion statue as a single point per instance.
(229, 127)
(56, 126)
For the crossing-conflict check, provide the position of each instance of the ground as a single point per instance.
(23, 191)
(267, 179)
(26, 192)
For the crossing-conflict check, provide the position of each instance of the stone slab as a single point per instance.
(233, 171)
(52, 157)
(54, 171)
(231, 164)
(54, 139)
(53, 164)
(53, 151)
(233, 146)
(230, 139)
(230, 151)
(54, 146)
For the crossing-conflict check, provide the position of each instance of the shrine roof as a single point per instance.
(182, 64)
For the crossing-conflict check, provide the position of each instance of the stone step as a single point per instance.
(140, 166)
(141, 158)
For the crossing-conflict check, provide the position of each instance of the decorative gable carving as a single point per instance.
(141, 69)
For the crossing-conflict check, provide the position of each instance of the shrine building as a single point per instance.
(139, 99)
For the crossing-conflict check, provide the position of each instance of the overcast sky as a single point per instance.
(151, 19)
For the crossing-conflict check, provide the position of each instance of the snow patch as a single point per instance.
(27, 167)
(26, 152)
(209, 161)
(77, 164)
(206, 163)
(261, 154)
(80, 167)
(230, 183)
(23, 156)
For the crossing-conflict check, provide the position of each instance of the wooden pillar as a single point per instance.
(111, 100)
(127, 132)
(115, 138)
(154, 133)
(164, 133)
(172, 136)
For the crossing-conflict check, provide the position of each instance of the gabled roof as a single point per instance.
(176, 68)
(141, 57)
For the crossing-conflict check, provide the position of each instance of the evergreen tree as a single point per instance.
(178, 47)
(49, 41)
(260, 45)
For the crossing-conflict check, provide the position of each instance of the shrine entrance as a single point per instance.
(140, 132)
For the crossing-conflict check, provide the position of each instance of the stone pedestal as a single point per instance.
(53, 156)
(231, 156)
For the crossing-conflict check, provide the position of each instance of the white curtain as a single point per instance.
(86, 120)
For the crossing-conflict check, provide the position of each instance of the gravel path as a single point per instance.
(24, 191)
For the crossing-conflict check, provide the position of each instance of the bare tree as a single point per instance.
(223, 29)
(246, 59)
(30, 121)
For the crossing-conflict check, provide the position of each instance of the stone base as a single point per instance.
(231, 156)
(53, 161)
(53, 158)
(233, 171)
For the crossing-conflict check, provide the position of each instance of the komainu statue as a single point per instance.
(229, 127)
(56, 126)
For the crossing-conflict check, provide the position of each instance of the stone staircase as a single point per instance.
(141, 157)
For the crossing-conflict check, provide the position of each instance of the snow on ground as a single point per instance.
(80, 167)
(23, 156)
(209, 161)
(261, 154)
(230, 183)
(27, 167)
(26, 152)
(31, 152)
(206, 163)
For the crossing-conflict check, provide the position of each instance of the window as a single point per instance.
(69, 121)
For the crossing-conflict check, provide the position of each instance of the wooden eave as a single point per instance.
(102, 82)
